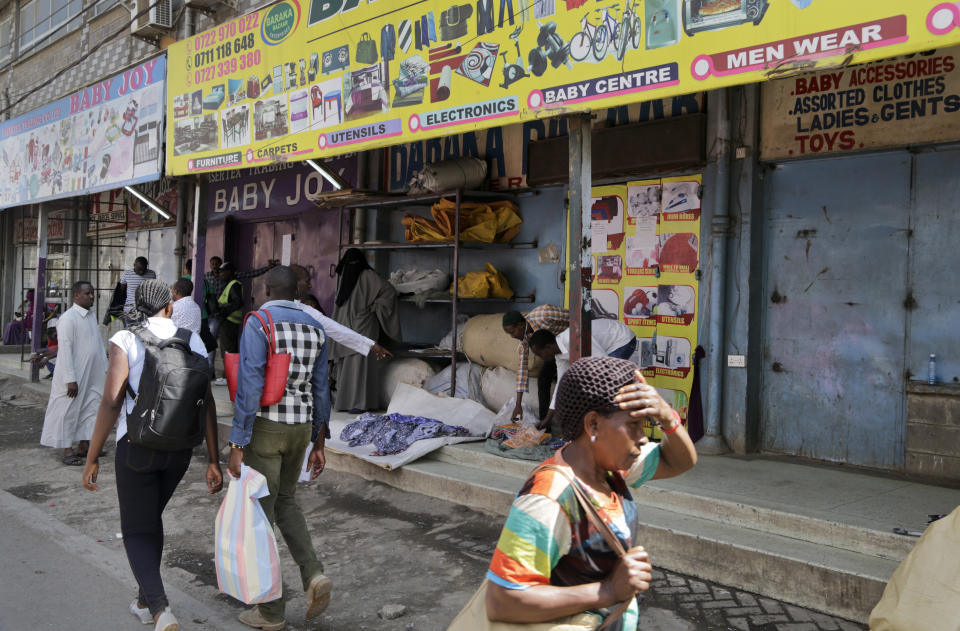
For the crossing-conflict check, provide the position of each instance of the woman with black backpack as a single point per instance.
(159, 386)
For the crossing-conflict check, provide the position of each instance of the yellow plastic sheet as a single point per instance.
(486, 283)
(496, 222)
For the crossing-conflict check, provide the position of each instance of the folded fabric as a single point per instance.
(496, 222)
(485, 283)
(393, 433)
(417, 281)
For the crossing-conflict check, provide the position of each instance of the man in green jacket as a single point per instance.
(229, 311)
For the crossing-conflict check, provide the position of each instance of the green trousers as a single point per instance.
(276, 450)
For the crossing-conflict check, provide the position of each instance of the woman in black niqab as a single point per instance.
(351, 266)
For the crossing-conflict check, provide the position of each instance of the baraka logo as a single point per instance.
(279, 22)
(321, 10)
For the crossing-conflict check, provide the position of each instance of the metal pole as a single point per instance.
(199, 227)
(39, 292)
(580, 275)
(455, 300)
(713, 442)
(179, 251)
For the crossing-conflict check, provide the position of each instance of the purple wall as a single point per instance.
(266, 203)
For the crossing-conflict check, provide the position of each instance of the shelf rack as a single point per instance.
(350, 200)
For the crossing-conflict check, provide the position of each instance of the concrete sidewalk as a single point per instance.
(53, 577)
(816, 535)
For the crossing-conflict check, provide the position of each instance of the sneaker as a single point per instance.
(253, 618)
(167, 621)
(220, 382)
(143, 614)
(318, 595)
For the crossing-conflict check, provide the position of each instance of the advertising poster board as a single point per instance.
(105, 136)
(311, 78)
(645, 246)
(902, 101)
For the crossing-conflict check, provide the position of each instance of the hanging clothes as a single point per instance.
(388, 42)
(485, 17)
(405, 35)
(509, 7)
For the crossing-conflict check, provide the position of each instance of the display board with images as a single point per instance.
(304, 78)
(105, 136)
(646, 251)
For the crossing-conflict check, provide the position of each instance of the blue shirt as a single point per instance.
(307, 394)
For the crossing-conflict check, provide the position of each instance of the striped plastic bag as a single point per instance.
(248, 565)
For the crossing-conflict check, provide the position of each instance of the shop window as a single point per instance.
(102, 6)
(41, 20)
(6, 39)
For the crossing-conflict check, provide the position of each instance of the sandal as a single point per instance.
(74, 460)
(103, 452)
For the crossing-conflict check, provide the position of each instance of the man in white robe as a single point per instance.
(78, 380)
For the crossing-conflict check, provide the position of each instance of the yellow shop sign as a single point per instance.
(312, 78)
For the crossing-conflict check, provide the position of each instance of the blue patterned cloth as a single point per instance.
(393, 433)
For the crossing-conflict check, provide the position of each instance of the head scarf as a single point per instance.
(152, 296)
(589, 385)
(349, 269)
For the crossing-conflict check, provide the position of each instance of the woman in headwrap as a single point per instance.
(603, 404)
(16, 331)
(146, 477)
(367, 304)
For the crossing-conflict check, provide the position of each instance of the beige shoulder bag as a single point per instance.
(473, 617)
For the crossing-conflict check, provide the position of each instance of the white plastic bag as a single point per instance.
(247, 562)
(527, 419)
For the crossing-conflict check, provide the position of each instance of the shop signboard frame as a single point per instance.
(104, 136)
(898, 102)
(312, 78)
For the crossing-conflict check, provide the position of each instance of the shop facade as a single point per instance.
(265, 214)
(847, 211)
(425, 99)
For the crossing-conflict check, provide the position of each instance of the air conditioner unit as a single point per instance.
(152, 20)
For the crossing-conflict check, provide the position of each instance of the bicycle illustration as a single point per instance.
(630, 29)
(610, 32)
(595, 38)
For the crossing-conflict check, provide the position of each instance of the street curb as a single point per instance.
(110, 562)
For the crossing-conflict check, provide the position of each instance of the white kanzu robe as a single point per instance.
(81, 358)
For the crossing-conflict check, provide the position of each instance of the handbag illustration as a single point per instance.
(366, 50)
(247, 561)
(473, 617)
(453, 21)
(275, 372)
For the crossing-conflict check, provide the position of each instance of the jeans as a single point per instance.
(509, 7)
(548, 374)
(213, 325)
(276, 451)
(146, 480)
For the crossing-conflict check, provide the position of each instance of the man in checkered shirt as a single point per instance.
(273, 439)
(520, 327)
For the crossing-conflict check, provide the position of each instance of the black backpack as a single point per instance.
(169, 412)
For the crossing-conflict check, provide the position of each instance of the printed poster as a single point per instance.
(646, 255)
(105, 136)
(314, 78)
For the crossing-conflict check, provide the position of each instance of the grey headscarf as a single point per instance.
(152, 296)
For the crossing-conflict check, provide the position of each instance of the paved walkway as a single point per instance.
(62, 579)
